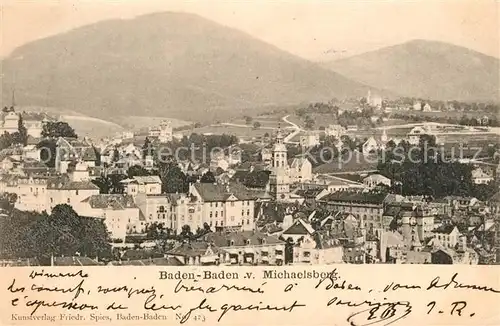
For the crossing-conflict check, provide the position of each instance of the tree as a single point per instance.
(110, 184)
(248, 120)
(8, 201)
(58, 129)
(208, 177)
(309, 122)
(186, 233)
(256, 125)
(6, 140)
(137, 171)
(22, 131)
(301, 112)
(63, 233)
(147, 148)
(116, 155)
(173, 179)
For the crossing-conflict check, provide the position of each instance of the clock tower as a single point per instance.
(279, 180)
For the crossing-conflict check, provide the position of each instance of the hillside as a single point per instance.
(168, 65)
(426, 69)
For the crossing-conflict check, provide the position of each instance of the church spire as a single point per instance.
(279, 135)
(13, 97)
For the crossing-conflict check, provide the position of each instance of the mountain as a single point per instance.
(426, 69)
(166, 64)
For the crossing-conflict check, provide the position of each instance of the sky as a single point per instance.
(316, 30)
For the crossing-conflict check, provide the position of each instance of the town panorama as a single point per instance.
(277, 160)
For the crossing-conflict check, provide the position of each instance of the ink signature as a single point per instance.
(378, 312)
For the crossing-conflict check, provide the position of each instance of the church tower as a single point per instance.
(279, 182)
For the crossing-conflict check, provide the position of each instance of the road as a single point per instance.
(294, 133)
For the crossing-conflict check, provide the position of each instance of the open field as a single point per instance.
(246, 132)
(91, 127)
(141, 122)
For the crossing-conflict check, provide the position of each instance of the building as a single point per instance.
(70, 150)
(197, 253)
(43, 193)
(334, 184)
(248, 247)
(366, 207)
(119, 212)
(370, 145)
(479, 176)
(310, 139)
(71, 189)
(300, 170)
(32, 121)
(374, 180)
(336, 131)
(148, 185)
(163, 132)
(414, 135)
(229, 207)
(279, 180)
(185, 210)
(10, 121)
(448, 235)
(427, 108)
(31, 193)
(311, 247)
(374, 100)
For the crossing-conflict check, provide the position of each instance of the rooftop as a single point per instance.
(243, 238)
(114, 201)
(210, 192)
(355, 197)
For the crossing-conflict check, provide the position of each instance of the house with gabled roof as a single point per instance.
(72, 150)
(149, 185)
(197, 253)
(300, 169)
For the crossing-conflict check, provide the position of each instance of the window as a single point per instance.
(76, 192)
(216, 213)
(232, 204)
(68, 200)
(248, 221)
(232, 218)
(248, 212)
(210, 214)
(242, 212)
(216, 204)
